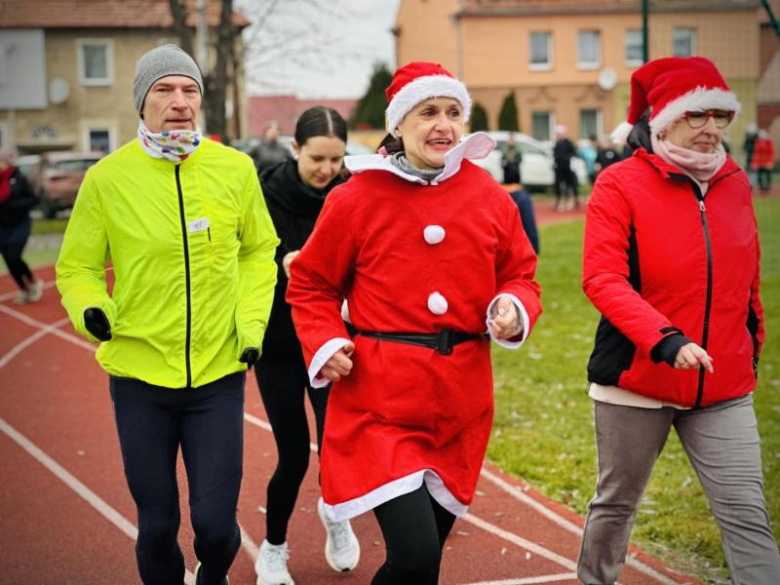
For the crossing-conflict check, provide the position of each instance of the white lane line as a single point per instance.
(87, 494)
(486, 526)
(566, 524)
(530, 580)
(512, 490)
(38, 324)
(248, 544)
(519, 494)
(19, 347)
(266, 426)
(10, 295)
(531, 547)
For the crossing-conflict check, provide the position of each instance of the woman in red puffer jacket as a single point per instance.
(671, 260)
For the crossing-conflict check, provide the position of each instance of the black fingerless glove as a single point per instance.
(666, 350)
(97, 324)
(250, 356)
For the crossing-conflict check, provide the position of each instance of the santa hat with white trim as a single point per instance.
(416, 82)
(672, 86)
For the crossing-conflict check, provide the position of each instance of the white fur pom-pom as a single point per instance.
(620, 134)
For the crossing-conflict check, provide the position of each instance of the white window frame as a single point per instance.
(589, 64)
(599, 122)
(96, 81)
(639, 60)
(548, 65)
(5, 139)
(693, 40)
(97, 127)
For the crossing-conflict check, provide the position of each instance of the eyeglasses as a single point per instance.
(698, 119)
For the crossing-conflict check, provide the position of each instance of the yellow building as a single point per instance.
(67, 69)
(569, 62)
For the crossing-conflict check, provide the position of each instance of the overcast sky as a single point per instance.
(359, 37)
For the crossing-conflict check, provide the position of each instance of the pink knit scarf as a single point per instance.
(698, 165)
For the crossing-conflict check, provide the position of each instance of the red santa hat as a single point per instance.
(672, 86)
(416, 82)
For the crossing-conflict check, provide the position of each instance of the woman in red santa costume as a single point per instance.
(431, 256)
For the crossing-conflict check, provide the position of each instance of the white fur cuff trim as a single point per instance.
(394, 489)
(421, 89)
(523, 317)
(321, 358)
(697, 100)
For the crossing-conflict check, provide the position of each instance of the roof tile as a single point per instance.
(100, 14)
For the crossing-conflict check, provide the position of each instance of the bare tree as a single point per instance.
(308, 35)
(216, 80)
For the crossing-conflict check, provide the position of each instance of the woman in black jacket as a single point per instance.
(295, 191)
(16, 199)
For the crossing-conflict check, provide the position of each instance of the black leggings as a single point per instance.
(207, 424)
(20, 272)
(415, 527)
(282, 387)
(764, 179)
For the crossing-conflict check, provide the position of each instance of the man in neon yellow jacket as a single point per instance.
(184, 224)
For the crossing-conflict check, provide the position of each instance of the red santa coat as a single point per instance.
(407, 414)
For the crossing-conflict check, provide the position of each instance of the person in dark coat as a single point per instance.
(270, 151)
(17, 198)
(511, 157)
(565, 179)
(295, 192)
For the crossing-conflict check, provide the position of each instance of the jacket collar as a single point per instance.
(475, 146)
(670, 171)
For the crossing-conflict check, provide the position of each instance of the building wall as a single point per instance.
(496, 60)
(426, 31)
(729, 38)
(497, 48)
(64, 126)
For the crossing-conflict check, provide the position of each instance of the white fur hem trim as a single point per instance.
(321, 358)
(523, 315)
(697, 100)
(396, 488)
(424, 88)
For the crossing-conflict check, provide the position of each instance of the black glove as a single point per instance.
(250, 356)
(667, 349)
(97, 324)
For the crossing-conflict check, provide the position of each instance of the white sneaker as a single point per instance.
(271, 565)
(342, 549)
(21, 298)
(35, 292)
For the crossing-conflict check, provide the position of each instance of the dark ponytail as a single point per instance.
(391, 144)
(320, 121)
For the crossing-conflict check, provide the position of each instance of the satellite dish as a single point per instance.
(59, 90)
(607, 79)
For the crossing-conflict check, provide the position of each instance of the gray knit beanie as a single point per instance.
(160, 62)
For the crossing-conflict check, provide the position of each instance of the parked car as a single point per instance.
(536, 168)
(57, 176)
(28, 164)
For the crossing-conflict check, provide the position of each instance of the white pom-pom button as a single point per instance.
(437, 304)
(434, 234)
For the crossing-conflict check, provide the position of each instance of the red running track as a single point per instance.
(66, 515)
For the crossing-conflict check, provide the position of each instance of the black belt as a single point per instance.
(443, 341)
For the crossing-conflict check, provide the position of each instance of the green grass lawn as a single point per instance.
(543, 429)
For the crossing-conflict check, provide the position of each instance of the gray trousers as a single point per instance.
(722, 444)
